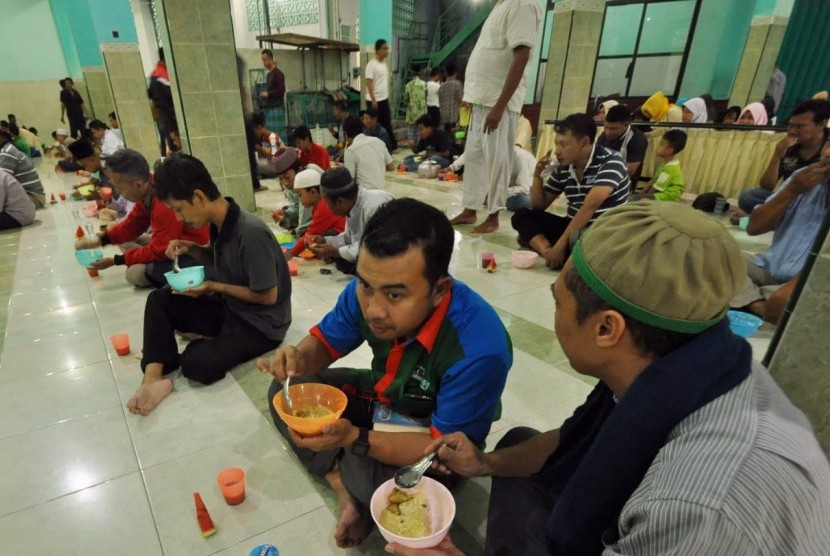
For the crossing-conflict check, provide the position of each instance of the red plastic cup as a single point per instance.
(62, 196)
(121, 343)
(293, 267)
(232, 483)
(92, 272)
(106, 193)
(487, 259)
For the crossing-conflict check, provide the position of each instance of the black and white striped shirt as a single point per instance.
(744, 474)
(605, 168)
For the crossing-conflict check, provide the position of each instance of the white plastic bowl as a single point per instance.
(441, 512)
(523, 259)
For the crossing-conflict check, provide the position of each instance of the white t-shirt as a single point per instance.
(366, 160)
(511, 24)
(432, 93)
(379, 74)
(111, 143)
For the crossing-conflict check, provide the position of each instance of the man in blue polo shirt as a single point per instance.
(593, 178)
(441, 354)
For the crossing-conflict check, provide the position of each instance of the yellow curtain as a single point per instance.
(724, 161)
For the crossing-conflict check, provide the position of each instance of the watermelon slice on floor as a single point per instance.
(203, 517)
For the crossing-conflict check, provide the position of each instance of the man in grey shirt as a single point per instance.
(345, 197)
(685, 446)
(244, 308)
(16, 208)
(14, 162)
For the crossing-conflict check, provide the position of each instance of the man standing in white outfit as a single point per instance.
(495, 86)
(377, 89)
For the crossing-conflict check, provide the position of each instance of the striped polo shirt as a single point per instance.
(605, 168)
(19, 165)
(743, 474)
(452, 371)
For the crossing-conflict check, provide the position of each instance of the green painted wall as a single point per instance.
(83, 32)
(717, 47)
(31, 46)
(375, 21)
(113, 15)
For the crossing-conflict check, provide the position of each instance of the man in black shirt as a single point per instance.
(161, 100)
(241, 311)
(72, 106)
(619, 135)
(806, 133)
(435, 145)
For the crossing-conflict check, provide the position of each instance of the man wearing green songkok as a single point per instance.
(685, 446)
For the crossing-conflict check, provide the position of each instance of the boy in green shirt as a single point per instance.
(667, 183)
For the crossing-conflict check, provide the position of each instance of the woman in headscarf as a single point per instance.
(694, 111)
(656, 107)
(604, 108)
(754, 114)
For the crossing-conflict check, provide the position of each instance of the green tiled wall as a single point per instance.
(802, 359)
(760, 53)
(766, 63)
(98, 88)
(129, 91)
(573, 48)
(205, 85)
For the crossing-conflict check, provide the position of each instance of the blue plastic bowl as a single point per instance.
(744, 324)
(289, 245)
(188, 278)
(88, 256)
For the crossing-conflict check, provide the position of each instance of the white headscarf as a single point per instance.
(697, 106)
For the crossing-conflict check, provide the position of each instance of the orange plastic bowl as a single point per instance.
(310, 395)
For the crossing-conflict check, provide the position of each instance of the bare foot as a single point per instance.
(467, 216)
(149, 395)
(489, 225)
(353, 526)
(355, 522)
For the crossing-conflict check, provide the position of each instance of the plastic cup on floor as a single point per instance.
(743, 223)
(92, 272)
(293, 268)
(487, 259)
(62, 196)
(121, 343)
(232, 483)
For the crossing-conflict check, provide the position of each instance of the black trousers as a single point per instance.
(361, 475)
(77, 124)
(232, 340)
(8, 222)
(531, 223)
(69, 165)
(385, 119)
(514, 497)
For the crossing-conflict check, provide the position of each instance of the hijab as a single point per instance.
(656, 107)
(758, 111)
(697, 106)
(607, 105)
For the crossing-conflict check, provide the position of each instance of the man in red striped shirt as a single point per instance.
(145, 259)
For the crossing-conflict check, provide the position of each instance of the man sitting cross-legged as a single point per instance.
(440, 353)
(593, 178)
(685, 446)
(146, 260)
(244, 308)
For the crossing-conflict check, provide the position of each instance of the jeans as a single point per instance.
(412, 166)
(751, 198)
(518, 202)
(232, 340)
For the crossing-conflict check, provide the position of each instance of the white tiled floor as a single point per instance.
(80, 475)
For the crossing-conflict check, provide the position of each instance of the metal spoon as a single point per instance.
(176, 267)
(288, 405)
(409, 476)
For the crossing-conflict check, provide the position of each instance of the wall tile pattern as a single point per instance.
(203, 71)
(129, 91)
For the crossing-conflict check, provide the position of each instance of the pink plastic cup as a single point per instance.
(121, 343)
(232, 483)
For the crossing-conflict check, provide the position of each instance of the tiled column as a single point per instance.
(766, 33)
(129, 91)
(574, 41)
(98, 89)
(801, 362)
(201, 59)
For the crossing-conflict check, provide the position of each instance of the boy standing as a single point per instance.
(242, 311)
(323, 221)
(667, 184)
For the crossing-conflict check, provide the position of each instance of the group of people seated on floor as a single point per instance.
(691, 482)
(21, 191)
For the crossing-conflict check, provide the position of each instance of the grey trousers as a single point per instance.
(759, 285)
